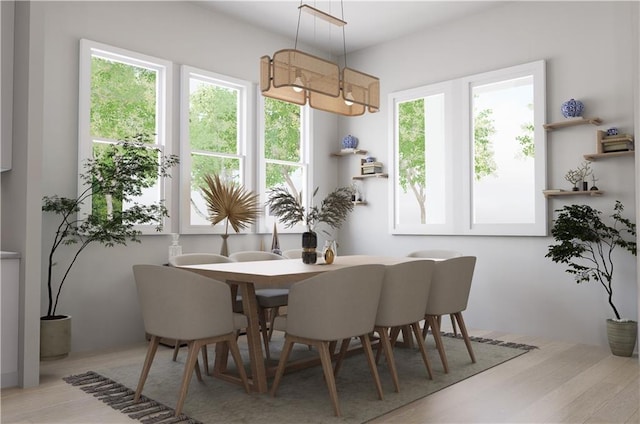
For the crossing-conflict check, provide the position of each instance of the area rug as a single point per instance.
(302, 396)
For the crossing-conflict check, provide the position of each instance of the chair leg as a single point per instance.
(435, 330)
(274, 313)
(237, 358)
(176, 348)
(262, 316)
(284, 357)
(205, 359)
(465, 335)
(325, 359)
(388, 353)
(151, 353)
(189, 366)
(423, 349)
(453, 325)
(341, 355)
(366, 344)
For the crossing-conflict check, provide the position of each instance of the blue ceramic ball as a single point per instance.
(349, 142)
(572, 108)
(612, 131)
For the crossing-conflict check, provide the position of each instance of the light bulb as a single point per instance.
(348, 99)
(298, 81)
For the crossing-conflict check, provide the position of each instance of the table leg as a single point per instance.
(254, 340)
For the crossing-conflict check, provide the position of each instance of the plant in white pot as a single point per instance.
(586, 244)
(116, 175)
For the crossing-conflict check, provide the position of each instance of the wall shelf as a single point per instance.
(362, 177)
(572, 122)
(548, 193)
(359, 203)
(596, 156)
(346, 152)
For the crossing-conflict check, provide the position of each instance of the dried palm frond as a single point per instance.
(230, 201)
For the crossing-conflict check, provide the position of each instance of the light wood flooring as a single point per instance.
(557, 383)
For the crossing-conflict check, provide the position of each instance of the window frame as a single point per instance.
(459, 155)
(164, 96)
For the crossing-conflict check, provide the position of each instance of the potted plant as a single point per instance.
(116, 174)
(333, 211)
(231, 202)
(586, 244)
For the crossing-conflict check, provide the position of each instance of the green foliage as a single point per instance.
(526, 140)
(120, 172)
(333, 210)
(585, 243)
(483, 129)
(282, 140)
(411, 148)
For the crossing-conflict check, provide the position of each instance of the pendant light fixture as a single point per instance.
(297, 77)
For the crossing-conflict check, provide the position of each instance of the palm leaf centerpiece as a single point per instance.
(229, 201)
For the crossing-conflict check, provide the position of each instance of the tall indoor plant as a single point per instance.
(116, 174)
(333, 211)
(586, 244)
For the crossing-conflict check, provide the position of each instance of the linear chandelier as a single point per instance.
(297, 77)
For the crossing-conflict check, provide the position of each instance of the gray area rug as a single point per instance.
(302, 396)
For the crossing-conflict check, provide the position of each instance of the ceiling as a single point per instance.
(369, 22)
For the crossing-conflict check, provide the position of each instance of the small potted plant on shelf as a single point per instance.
(116, 174)
(289, 209)
(586, 244)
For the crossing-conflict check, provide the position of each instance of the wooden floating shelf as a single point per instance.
(360, 203)
(596, 156)
(346, 152)
(362, 177)
(571, 123)
(573, 193)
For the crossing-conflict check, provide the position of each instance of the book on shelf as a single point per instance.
(617, 137)
(371, 170)
(617, 146)
(370, 164)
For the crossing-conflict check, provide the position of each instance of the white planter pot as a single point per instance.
(55, 338)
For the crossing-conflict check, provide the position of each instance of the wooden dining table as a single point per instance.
(269, 274)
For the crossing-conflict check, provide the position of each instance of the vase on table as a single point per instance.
(224, 249)
(309, 245)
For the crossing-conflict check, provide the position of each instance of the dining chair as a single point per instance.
(329, 307)
(194, 259)
(269, 300)
(183, 305)
(405, 291)
(449, 294)
(292, 253)
(438, 254)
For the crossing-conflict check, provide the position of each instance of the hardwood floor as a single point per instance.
(557, 383)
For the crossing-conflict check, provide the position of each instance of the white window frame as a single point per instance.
(164, 69)
(458, 154)
(245, 123)
(306, 161)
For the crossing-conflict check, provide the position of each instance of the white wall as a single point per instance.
(589, 48)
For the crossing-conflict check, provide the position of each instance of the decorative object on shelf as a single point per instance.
(585, 171)
(174, 248)
(229, 202)
(329, 251)
(593, 183)
(117, 173)
(289, 209)
(275, 243)
(606, 143)
(574, 177)
(369, 159)
(297, 77)
(349, 142)
(585, 243)
(612, 131)
(572, 108)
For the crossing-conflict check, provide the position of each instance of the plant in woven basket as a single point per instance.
(333, 209)
(229, 202)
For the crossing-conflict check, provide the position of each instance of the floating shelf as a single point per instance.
(360, 203)
(362, 177)
(571, 123)
(548, 193)
(346, 152)
(596, 156)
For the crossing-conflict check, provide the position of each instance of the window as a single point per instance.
(284, 153)
(469, 155)
(123, 96)
(215, 121)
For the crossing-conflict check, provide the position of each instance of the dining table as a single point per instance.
(248, 276)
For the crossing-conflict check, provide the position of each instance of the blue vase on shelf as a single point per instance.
(572, 108)
(349, 142)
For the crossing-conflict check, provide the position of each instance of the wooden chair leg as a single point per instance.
(274, 313)
(284, 357)
(423, 349)
(262, 317)
(192, 358)
(325, 359)
(366, 344)
(176, 348)
(435, 330)
(453, 325)
(465, 335)
(388, 353)
(341, 355)
(237, 358)
(151, 353)
(205, 359)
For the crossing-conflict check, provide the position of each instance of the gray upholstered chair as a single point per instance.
(292, 253)
(269, 300)
(329, 307)
(405, 291)
(449, 294)
(194, 259)
(183, 305)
